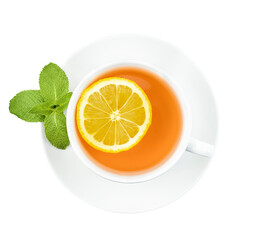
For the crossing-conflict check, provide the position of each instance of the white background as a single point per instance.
(220, 36)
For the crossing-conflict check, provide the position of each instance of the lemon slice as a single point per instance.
(113, 114)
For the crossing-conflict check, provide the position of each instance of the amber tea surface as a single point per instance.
(162, 137)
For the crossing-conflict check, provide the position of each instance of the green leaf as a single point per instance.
(53, 83)
(63, 102)
(23, 102)
(56, 131)
(43, 109)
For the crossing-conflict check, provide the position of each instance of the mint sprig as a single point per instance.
(46, 105)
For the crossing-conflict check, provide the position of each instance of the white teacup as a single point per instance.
(186, 143)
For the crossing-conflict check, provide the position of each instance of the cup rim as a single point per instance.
(183, 142)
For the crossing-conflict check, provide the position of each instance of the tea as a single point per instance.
(162, 137)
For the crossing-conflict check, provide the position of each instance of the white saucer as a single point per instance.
(120, 197)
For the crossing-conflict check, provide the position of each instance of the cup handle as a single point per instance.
(200, 148)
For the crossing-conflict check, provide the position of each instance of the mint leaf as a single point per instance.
(63, 102)
(43, 109)
(56, 131)
(53, 83)
(21, 104)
